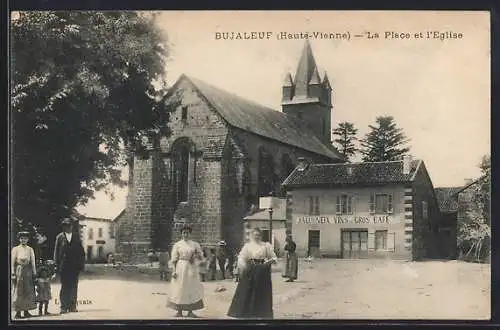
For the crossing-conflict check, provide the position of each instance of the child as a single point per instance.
(212, 265)
(203, 266)
(43, 292)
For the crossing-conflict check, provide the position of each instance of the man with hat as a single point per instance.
(69, 257)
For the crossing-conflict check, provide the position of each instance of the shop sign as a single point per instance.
(375, 219)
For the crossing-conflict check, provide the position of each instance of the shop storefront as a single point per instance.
(362, 210)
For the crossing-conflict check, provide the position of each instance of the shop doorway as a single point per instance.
(313, 243)
(354, 243)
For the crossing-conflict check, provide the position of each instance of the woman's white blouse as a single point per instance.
(252, 250)
(185, 250)
(23, 252)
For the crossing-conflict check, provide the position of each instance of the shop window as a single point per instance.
(345, 204)
(313, 205)
(91, 233)
(100, 251)
(381, 240)
(425, 210)
(354, 243)
(381, 204)
(99, 232)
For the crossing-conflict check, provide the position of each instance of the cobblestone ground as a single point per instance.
(331, 289)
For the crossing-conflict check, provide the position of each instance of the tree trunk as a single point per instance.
(468, 252)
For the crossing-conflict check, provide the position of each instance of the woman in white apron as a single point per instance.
(186, 288)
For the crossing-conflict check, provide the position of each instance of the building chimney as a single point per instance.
(407, 164)
(303, 163)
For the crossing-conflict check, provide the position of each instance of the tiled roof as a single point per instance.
(263, 121)
(370, 173)
(447, 198)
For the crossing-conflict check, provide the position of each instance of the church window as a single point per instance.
(267, 176)
(184, 113)
(181, 157)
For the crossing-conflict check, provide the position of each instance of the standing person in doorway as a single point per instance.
(291, 260)
(23, 274)
(186, 287)
(254, 297)
(222, 257)
(69, 257)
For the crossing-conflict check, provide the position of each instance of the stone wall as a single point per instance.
(425, 230)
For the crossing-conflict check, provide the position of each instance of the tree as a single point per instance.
(384, 142)
(82, 87)
(474, 227)
(345, 141)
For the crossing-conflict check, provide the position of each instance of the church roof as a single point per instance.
(261, 120)
(288, 82)
(368, 173)
(315, 79)
(305, 70)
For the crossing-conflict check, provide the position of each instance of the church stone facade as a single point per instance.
(223, 153)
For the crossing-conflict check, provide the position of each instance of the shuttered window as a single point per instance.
(381, 204)
(345, 204)
(314, 205)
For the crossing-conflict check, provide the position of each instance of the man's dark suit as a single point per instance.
(69, 258)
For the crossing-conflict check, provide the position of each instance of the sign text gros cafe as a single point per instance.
(344, 220)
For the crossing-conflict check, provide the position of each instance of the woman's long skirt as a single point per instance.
(254, 294)
(291, 266)
(23, 294)
(186, 292)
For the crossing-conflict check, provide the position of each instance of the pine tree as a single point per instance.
(384, 142)
(345, 139)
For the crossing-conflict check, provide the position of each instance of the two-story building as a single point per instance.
(98, 238)
(363, 210)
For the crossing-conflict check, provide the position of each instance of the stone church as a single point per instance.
(223, 153)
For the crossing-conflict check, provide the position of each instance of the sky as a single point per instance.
(438, 90)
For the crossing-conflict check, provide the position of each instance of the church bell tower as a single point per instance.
(308, 97)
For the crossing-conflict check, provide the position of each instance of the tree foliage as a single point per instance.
(384, 142)
(82, 87)
(474, 226)
(345, 139)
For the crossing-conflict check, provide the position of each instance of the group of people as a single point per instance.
(253, 295)
(252, 298)
(31, 281)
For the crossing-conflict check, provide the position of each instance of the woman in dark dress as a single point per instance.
(291, 260)
(254, 297)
